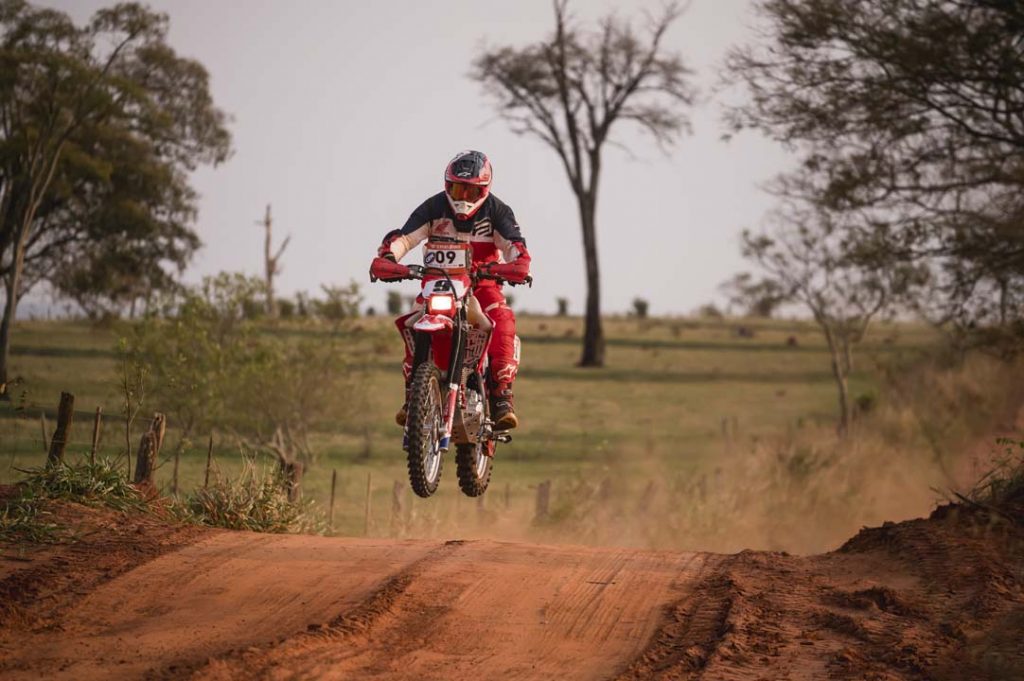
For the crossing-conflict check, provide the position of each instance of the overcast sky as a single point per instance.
(345, 114)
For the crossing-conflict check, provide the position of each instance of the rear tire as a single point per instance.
(474, 468)
(425, 430)
(472, 464)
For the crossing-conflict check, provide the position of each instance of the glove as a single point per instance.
(385, 246)
(386, 269)
(514, 272)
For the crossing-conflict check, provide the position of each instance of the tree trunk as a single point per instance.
(593, 334)
(268, 266)
(12, 283)
(842, 381)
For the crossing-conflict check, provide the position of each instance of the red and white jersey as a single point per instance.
(492, 232)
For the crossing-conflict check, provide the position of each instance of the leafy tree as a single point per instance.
(908, 117)
(756, 297)
(640, 308)
(98, 126)
(569, 90)
(806, 258)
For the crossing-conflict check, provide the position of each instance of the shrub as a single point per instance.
(24, 518)
(102, 483)
(394, 303)
(341, 302)
(1002, 487)
(254, 501)
(285, 308)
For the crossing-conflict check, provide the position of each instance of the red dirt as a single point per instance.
(136, 597)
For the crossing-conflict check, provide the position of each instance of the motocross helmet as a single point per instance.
(467, 182)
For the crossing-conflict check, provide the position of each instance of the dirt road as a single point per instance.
(358, 609)
(141, 599)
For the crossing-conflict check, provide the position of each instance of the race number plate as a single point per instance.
(447, 256)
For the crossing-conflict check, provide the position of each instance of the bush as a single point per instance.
(394, 303)
(285, 308)
(94, 484)
(710, 311)
(24, 517)
(341, 302)
(255, 501)
(1002, 488)
(209, 367)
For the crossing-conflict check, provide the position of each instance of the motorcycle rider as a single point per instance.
(468, 211)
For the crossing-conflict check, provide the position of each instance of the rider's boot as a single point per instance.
(503, 409)
(403, 414)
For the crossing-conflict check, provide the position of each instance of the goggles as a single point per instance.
(460, 191)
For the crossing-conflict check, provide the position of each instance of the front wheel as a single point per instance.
(425, 427)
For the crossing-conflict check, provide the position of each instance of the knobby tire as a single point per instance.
(426, 378)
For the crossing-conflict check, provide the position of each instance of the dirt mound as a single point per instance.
(941, 598)
(139, 597)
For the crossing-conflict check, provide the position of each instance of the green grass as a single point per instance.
(657, 408)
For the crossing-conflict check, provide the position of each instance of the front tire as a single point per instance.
(425, 430)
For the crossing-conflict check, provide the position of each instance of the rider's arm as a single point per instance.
(512, 245)
(416, 229)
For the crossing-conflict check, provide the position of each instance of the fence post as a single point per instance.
(96, 425)
(149, 448)
(334, 483)
(59, 441)
(396, 507)
(174, 479)
(209, 462)
(366, 509)
(42, 427)
(543, 500)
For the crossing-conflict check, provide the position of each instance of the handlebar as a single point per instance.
(419, 271)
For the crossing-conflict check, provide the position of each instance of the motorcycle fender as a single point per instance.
(431, 323)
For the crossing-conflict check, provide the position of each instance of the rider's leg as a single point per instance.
(404, 325)
(503, 355)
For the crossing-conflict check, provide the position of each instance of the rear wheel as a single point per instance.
(425, 429)
(473, 464)
(474, 467)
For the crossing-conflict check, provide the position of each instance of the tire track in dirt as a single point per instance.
(228, 591)
(495, 610)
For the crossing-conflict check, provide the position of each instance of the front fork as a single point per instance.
(423, 346)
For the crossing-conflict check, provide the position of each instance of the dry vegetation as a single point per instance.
(693, 437)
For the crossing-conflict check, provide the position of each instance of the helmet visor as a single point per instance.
(460, 191)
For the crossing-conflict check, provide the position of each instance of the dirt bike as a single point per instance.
(448, 392)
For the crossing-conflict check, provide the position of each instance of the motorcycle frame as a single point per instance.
(423, 345)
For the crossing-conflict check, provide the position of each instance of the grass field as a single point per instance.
(674, 392)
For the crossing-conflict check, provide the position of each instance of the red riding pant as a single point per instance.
(503, 353)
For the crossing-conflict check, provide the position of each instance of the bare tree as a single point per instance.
(569, 90)
(807, 259)
(271, 261)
